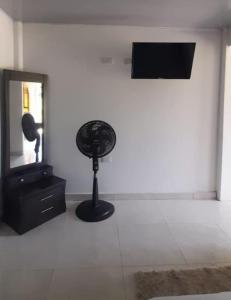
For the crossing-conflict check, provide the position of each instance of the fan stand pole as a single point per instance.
(95, 195)
(36, 149)
(94, 210)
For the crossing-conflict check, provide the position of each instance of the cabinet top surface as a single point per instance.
(38, 187)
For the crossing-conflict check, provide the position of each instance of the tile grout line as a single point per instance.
(151, 266)
(171, 233)
(50, 285)
(178, 246)
(217, 263)
(224, 232)
(162, 214)
(121, 257)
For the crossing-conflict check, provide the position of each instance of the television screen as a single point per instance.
(162, 60)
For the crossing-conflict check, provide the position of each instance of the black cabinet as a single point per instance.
(32, 198)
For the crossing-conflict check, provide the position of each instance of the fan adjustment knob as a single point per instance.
(45, 173)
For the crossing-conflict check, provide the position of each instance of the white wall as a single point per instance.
(224, 158)
(6, 41)
(229, 36)
(18, 45)
(6, 49)
(167, 129)
(6, 59)
(220, 177)
(225, 193)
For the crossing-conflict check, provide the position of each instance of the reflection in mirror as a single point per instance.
(25, 103)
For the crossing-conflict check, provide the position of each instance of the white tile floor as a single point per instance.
(66, 259)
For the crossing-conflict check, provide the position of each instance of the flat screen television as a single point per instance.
(162, 60)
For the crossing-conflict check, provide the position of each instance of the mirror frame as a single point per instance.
(9, 75)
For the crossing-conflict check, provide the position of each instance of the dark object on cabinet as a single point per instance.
(33, 197)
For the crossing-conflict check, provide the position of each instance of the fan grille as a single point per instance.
(29, 127)
(96, 139)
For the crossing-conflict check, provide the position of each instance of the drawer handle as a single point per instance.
(48, 197)
(46, 210)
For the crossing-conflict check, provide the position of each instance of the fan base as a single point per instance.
(86, 212)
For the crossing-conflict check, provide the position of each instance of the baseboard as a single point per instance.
(146, 196)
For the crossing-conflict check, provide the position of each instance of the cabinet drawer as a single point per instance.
(49, 199)
(42, 202)
(31, 219)
(51, 211)
(27, 219)
(33, 204)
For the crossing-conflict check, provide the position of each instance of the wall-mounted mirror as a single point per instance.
(23, 120)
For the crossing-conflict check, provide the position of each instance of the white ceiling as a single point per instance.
(161, 13)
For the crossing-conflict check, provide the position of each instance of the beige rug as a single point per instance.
(182, 282)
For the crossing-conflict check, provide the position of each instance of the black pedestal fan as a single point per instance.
(30, 130)
(95, 139)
